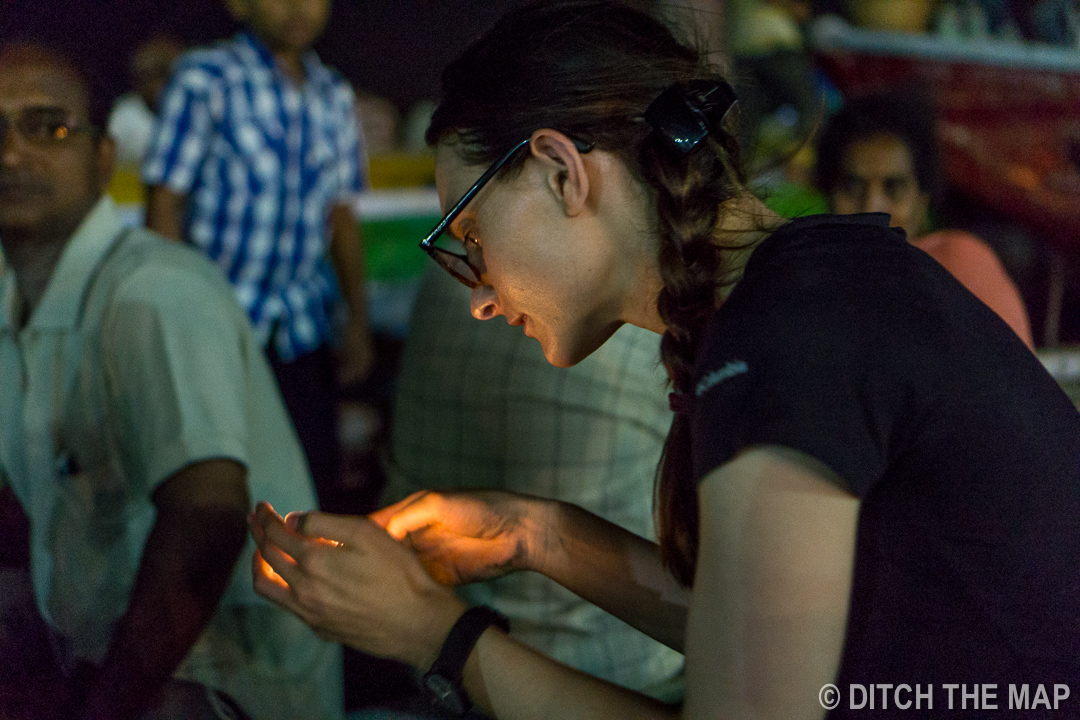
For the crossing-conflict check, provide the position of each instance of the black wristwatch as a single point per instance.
(443, 680)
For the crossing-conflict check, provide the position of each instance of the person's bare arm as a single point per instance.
(186, 564)
(769, 614)
(510, 681)
(618, 571)
(463, 537)
(14, 529)
(165, 211)
(347, 257)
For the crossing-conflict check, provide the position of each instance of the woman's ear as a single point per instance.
(564, 166)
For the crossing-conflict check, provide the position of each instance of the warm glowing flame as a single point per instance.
(269, 573)
(61, 132)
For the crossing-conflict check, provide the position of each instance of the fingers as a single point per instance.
(264, 575)
(352, 530)
(412, 514)
(270, 585)
(384, 515)
(293, 521)
(268, 529)
(290, 534)
(281, 541)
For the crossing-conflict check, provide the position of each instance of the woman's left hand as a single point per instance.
(352, 583)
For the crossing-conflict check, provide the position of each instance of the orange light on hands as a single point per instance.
(294, 520)
(268, 573)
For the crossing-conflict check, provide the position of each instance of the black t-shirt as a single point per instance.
(846, 343)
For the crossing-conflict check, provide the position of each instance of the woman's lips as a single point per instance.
(524, 321)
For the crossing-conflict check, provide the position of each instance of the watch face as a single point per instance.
(446, 693)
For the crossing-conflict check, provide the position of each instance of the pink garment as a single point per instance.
(974, 263)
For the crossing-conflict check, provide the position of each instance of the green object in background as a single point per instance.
(791, 200)
(393, 246)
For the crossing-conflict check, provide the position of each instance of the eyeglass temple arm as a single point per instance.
(426, 243)
(469, 195)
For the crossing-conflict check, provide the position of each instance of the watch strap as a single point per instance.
(443, 680)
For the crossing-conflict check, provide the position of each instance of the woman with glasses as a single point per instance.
(870, 488)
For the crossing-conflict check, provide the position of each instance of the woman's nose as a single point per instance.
(877, 201)
(483, 302)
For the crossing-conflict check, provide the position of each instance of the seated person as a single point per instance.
(879, 154)
(137, 418)
(478, 406)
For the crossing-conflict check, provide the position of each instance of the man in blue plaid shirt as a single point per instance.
(256, 161)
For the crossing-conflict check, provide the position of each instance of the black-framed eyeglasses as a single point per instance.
(43, 125)
(452, 255)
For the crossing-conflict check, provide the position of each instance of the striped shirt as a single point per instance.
(262, 162)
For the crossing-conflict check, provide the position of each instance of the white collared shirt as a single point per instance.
(136, 363)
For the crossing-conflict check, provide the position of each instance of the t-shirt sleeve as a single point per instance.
(174, 359)
(805, 387)
(977, 266)
(182, 136)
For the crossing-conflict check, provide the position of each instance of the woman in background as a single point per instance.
(879, 153)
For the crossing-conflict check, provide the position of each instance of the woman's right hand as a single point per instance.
(464, 537)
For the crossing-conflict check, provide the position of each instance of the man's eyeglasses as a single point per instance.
(450, 252)
(43, 126)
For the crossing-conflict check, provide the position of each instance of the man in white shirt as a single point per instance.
(137, 417)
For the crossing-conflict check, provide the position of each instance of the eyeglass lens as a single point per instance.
(456, 263)
(39, 125)
(451, 253)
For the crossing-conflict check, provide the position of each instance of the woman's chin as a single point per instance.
(564, 355)
(555, 353)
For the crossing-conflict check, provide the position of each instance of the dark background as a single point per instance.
(397, 49)
(393, 48)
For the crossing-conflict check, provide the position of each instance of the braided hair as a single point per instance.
(591, 69)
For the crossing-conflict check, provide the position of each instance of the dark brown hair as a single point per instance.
(590, 69)
(30, 51)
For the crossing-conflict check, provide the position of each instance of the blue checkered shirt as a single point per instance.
(262, 161)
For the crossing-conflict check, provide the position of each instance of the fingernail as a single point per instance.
(294, 520)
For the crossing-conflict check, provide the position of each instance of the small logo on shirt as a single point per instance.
(730, 370)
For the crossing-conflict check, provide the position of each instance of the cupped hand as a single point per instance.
(352, 583)
(463, 537)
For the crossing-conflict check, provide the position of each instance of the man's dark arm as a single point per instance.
(14, 530)
(186, 564)
(347, 258)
